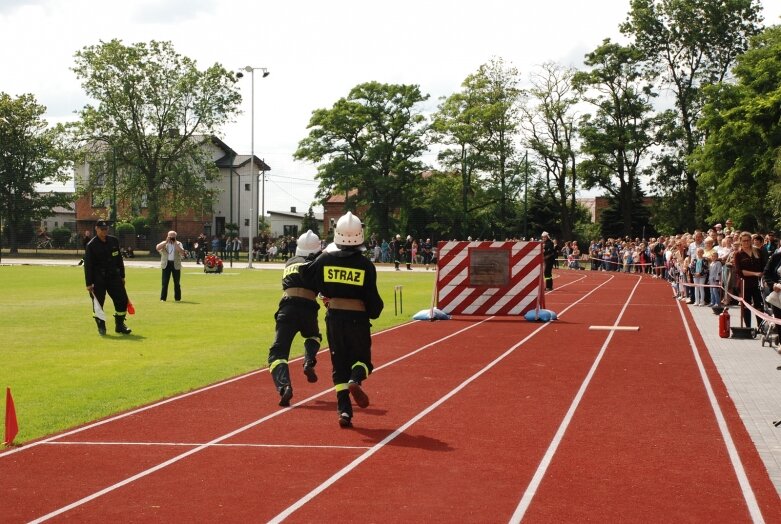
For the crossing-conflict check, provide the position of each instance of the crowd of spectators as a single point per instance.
(703, 267)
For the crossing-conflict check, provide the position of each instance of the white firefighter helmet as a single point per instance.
(307, 244)
(349, 231)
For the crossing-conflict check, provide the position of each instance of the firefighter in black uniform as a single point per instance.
(397, 250)
(297, 313)
(549, 257)
(348, 282)
(104, 271)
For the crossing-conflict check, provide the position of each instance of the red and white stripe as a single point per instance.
(522, 293)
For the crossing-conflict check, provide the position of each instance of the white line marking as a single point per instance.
(32, 445)
(195, 444)
(614, 328)
(374, 449)
(534, 485)
(732, 450)
(217, 440)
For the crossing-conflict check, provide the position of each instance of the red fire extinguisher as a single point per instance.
(724, 324)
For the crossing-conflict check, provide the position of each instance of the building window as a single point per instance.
(290, 231)
(246, 187)
(246, 222)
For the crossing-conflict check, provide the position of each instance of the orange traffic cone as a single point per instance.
(11, 425)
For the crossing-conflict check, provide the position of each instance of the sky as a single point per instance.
(315, 51)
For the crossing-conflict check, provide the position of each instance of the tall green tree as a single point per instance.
(372, 141)
(453, 126)
(154, 111)
(31, 153)
(498, 97)
(618, 136)
(549, 121)
(686, 45)
(739, 160)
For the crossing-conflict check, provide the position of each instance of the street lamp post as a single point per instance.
(253, 178)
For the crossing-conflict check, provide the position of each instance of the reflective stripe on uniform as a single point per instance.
(340, 387)
(364, 366)
(276, 363)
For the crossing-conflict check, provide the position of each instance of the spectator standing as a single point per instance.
(749, 266)
(714, 279)
(699, 271)
(171, 252)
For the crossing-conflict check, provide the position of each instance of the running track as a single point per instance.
(472, 420)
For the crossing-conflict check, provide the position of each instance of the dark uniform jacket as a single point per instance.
(291, 278)
(345, 273)
(103, 260)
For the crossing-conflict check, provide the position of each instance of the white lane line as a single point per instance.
(374, 449)
(195, 444)
(54, 438)
(217, 440)
(534, 485)
(732, 450)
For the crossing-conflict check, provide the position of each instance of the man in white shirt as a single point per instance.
(171, 252)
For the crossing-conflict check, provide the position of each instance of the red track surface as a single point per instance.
(472, 420)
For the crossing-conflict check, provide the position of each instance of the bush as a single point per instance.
(61, 236)
(125, 228)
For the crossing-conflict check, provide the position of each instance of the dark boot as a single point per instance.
(101, 325)
(357, 376)
(280, 373)
(311, 347)
(119, 325)
(344, 408)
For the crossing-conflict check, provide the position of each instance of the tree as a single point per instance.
(494, 87)
(688, 44)
(479, 127)
(739, 159)
(31, 153)
(618, 136)
(155, 111)
(549, 123)
(371, 141)
(452, 125)
(310, 222)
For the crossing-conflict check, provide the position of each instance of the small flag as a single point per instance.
(97, 309)
(130, 307)
(11, 425)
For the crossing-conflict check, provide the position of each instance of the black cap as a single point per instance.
(101, 223)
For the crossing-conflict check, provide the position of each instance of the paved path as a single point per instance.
(749, 371)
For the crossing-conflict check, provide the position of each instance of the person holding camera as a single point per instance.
(171, 252)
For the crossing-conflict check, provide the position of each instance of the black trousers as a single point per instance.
(548, 273)
(115, 289)
(295, 315)
(169, 270)
(350, 341)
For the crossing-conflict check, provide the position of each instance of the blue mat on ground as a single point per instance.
(541, 315)
(426, 314)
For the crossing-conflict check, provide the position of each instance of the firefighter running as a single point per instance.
(297, 313)
(348, 282)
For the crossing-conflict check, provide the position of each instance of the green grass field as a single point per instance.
(63, 374)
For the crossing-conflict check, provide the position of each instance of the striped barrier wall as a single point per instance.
(489, 278)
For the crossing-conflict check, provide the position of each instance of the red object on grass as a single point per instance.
(131, 308)
(11, 425)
